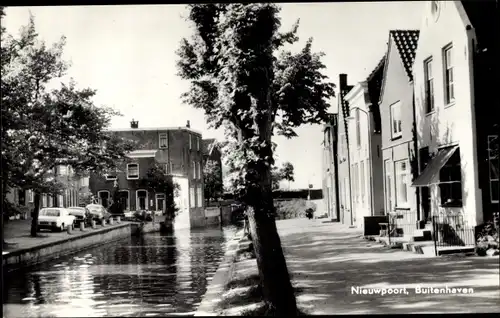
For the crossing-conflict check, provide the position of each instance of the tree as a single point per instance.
(283, 173)
(157, 180)
(242, 85)
(42, 128)
(212, 180)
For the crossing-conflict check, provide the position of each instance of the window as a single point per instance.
(388, 185)
(190, 141)
(63, 170)
(133, 171)
(396, 119)
(141, 200)
(362, 181)
(402, 184)
(44, 200)
(84, 182)
(191, 197)
(166, 167)
(358, 129)
(30, 196)
(450, 181)
(356, 183)
(199, 170)
(198, 143)
(448, 75)
(429, 86)
(112, 175)
(60, 202)
(163, 140)
(494, 163)
(124, 199)
(199, 197)
(194, 169)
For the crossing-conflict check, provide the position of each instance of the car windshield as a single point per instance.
(50, 212)
(94, 208)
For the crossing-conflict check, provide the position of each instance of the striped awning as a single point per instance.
(432, 170)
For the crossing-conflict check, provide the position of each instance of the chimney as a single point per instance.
(342, 81)
(188, 124)
(134, 124)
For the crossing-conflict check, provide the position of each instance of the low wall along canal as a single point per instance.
(152, 274)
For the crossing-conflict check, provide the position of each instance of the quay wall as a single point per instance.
(25, 257)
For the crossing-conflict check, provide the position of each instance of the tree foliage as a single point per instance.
(212, 180)
(42, 127)
(244, 81)
(286, 172)
(157, 180)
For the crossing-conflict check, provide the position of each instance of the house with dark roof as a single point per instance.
(457, 113)
(344, 173)
(397, 120)
(365, 158)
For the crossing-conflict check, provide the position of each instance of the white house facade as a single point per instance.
(445, 115)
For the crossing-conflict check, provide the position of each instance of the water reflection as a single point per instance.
(150, 275)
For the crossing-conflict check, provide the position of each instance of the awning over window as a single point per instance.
(432, 169)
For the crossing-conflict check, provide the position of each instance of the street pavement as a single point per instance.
(327, 260)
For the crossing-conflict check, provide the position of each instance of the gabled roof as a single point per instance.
(374, 81)
(345, 108)
(406, 43)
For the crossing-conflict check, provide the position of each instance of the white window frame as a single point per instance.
(389, 181)
(165, 137)
(192, 199)
(395, 109)
(198, 143)
(165, 167)
(127, 208)
(489, 168)
(449, 95)
(111, 177)
(430, 105)
(358, 127)
(160, 196)
(128, 175)
(190, 142)
(199, 196)
(199, 169)
(404, 177)
(194, 169)
(137, 207)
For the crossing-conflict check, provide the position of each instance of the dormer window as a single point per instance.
(163, 140)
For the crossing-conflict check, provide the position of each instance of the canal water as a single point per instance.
(146, 276)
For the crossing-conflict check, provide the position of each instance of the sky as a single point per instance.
(127, 53)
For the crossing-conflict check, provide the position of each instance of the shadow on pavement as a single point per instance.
(325, 266)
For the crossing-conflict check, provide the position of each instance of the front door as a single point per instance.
(141, 198)
(388, 186)
(426, 203)
(104, 198)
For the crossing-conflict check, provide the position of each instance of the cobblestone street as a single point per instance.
(327, 260)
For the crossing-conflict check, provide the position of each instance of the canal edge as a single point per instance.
(221, 278)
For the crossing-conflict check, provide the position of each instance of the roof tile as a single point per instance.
(406, 42)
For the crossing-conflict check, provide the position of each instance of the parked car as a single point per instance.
(55, 219)
(81, 214)
(98, 212)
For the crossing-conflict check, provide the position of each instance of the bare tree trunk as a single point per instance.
(34, 220)
(273, 271)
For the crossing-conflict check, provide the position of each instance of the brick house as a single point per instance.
(397, 118)
(364, 131)
(457, 113)
(179, 151)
